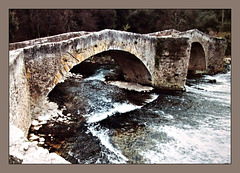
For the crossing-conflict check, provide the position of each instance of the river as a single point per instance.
(103, 122)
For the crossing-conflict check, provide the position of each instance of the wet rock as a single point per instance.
(25, 152)
(131, 86)
(81, 148)
(212, 81)
(227, 68)
(33, 137)
(128, 141)
(227, 60)
(15, 160)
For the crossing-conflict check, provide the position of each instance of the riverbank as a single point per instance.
(26, 152)
(22, 151)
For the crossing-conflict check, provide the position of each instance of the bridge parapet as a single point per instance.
(54, 38)
(160, 59)
(214, 49)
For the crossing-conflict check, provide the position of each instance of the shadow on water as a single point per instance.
(77, 97)
(124, 136)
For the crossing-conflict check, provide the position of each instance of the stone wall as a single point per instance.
(215, 56)
(214, 48)
(46, 64)
(171, 63)
(159, 59)
(55, 38)
(19, 95)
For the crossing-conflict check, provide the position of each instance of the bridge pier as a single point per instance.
(171, 63)
(160, 59)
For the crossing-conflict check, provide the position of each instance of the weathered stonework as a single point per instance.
(28, 152)
(19, 95)
(160, 59)
(214, 48)
(171, 63)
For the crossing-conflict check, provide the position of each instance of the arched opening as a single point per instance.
(197, 62)
(132, 68)
(83, 102)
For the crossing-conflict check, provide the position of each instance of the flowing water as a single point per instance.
(105, 123)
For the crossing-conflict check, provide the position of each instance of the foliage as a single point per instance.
(27, 24)
(13, 25)
(141, 21)
(176, 19)
(126, 27)
(85, 20)
(207, 20)
(105, 19)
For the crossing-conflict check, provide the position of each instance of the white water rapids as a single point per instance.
(128, 123)
(208, 143)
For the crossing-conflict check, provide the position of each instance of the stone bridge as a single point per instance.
(161, 59)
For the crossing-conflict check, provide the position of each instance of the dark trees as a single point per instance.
(27, 24)
(13, 25)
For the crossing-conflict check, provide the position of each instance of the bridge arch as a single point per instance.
(36, 66)
(197, 60)
(134, 70)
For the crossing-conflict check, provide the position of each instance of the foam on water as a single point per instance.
(117, 107)
(172, 140)
(207, 143)
(101, 133)
(219, 91)
(190, 146)
(115, 156)
(99, 75)
(131, 86)
(153, 97)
